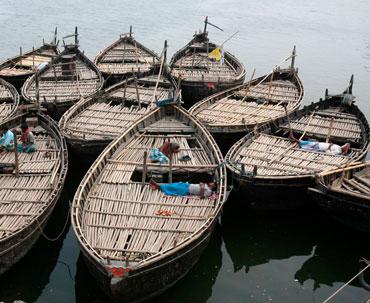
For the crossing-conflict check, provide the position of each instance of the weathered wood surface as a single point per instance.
(62, 83)
(126, 56)
(257, 101)
(193, 64)
(109, 115)
(117, 218)
(276, 157)
(9, 100)
(28, 62)
(24, 199)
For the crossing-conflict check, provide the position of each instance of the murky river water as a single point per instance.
(298, 256)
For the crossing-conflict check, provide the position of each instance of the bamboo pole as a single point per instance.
(137, 92)
(144, 168)
(20, 54)
(249, 85)
(33, 58)
(170, 169)
(329, 131)
(16, 156)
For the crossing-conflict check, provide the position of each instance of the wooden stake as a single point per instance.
(329, 131)
(37, 89)
(33, 58)
(16, 156)
(137, 92)
(170, 170)
(144, 168)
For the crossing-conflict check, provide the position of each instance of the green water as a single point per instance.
(288, 257)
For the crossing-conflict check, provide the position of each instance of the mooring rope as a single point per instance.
(61, 233)
(343, 286)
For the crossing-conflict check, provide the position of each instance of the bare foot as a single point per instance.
(153, 185)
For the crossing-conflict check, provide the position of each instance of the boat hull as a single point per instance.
(150, 281)
(284, 194)
(348, 210)
(192, 92)
(18, 246)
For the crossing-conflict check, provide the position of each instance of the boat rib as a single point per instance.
(259, 101)
(27, 200)
(126, 56)
(267, 158)
(201, 75)
(68, 78)
(9, 100)
(94, 122)
(121, 222)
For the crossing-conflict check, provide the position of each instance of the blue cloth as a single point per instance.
(309, 145)
(7, 140)
(175, 189)
(27, 149)
(157, 156)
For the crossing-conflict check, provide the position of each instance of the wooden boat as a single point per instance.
(18, 69)
(91, 124)
(265, 99)
(29, 190)
(345, 194)
(124, 57)
(9, 100)
(267, 161)
(136, 241)
(68, 78)
(200, 75)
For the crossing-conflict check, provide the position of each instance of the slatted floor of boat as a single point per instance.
(103, 121)
(128, 221)
(125, 58)
(205, 69)
(107, 120)
(23, 198)
(5, 107)
(65, 90)
(27, 63)
(229, 111)
(276, 156)
(341, 125)
(359, 183)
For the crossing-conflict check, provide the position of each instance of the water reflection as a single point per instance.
(254, 238)
(335, 257)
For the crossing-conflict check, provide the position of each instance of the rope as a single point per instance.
(60, 234)
(336, 292)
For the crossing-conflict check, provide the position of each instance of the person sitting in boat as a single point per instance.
(7, 139)
(323, 147)
(27, 139)
(203, 190)
(163, 153)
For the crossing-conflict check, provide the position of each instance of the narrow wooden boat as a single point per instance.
(68, 78)
(91, 124)
(29, 190)
(9, 100)
(265, 99)
(345, 194)
(136, 241)
(124, 57)
(18, 69)
(201, 75)
(266, 161)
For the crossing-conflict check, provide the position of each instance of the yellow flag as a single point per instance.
(216, 54)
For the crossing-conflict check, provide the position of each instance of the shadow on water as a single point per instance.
(27, 279)
(200, 279)
(331, 251)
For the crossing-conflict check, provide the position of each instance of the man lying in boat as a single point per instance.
(28, 140)
(322, 147)
(7, 139)
(203, 190)
(163, 153)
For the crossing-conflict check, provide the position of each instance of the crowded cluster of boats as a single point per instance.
(146, 208)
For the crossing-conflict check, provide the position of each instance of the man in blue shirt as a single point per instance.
(7, 139)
